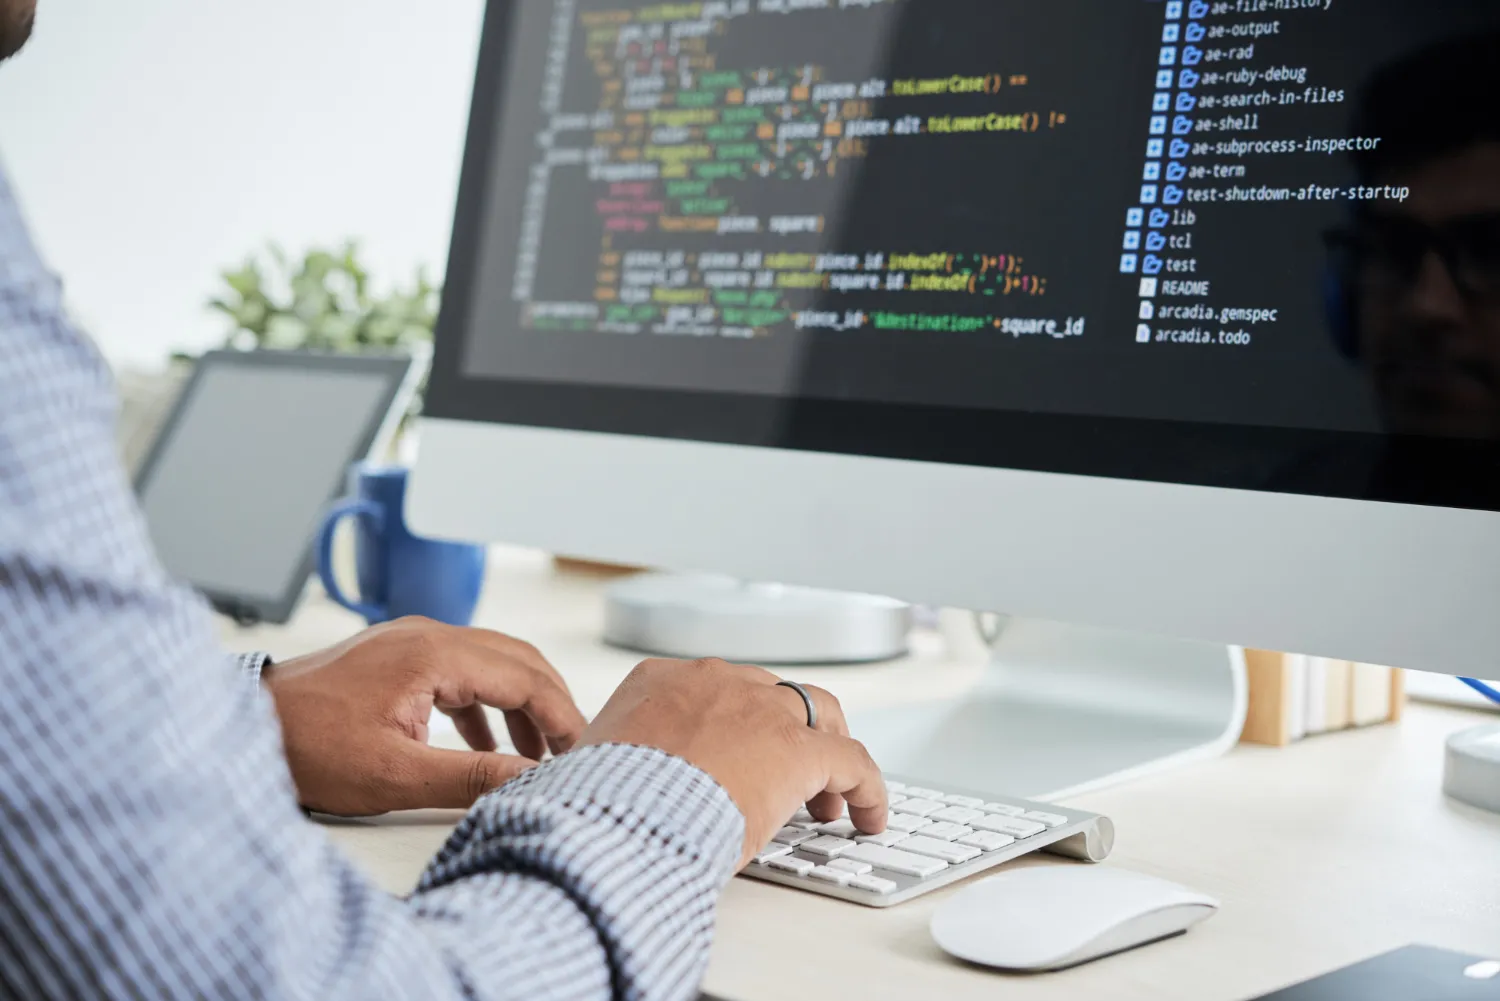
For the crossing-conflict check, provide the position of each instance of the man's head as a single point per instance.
(1425, 271)
(16, 18)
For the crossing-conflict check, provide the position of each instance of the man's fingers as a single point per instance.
(443, 779)
(474, 727)
(474, 672)
(527, 739)
(852, 774)
(519, 649)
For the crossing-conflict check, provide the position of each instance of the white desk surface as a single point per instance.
(1322, 854)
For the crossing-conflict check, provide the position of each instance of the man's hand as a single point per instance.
(354, 717)
(735, 724)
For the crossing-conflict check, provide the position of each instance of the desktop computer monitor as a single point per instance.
(1167, 317)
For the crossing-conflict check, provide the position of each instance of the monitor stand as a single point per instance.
(1064, 710)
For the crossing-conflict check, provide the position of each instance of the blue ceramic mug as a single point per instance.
(399, 573)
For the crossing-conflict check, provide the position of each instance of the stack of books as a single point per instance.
(1293, 696)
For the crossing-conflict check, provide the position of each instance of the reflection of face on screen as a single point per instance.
(1425, 272)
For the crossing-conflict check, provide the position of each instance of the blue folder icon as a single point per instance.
(1176, 171)
(1186, 102)
(1155, 242)
(1152, 265)
(1195, 32)
(1179, 149)
(1197, 9)
(1188, 79)
(1172, 195)
(1159, 218)
(1192, 55)
(1181, 125)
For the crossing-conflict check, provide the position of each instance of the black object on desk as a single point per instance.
(1416, 973)
(256, 448)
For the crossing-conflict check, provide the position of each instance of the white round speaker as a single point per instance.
(690, 616)
(1471, 773)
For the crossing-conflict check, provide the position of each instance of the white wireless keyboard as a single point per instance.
(936, 836)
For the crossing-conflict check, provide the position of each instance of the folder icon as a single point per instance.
(1179, 149)
(1181, 125)
(1197, 9)
(1186, 102)
(1172, 196)
(1159, 218)
(1188, 79)
(1152, 265)
(1192, 56)
(1195, 32)
(1155, 242)
(1176, 171)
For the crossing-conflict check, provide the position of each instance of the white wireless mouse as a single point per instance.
(1056, 916)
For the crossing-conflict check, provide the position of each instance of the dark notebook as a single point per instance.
(1416, 973)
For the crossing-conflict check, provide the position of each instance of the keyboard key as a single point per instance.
(931, 847)
(802, 819)
(793, 836)
(895, 787)
(906, 822)
(792, 864)
(773, 851)
(886, 839)
(1015, 827)
(944, 831)
(957, 814)
(918, 792)
(987, 841)
(826, 874)
(840, 829)
(828, 846)
(1004, 809)
(852, 867)
(874, 884)
(968, 801)
(921, 807)
(1050, 819)
(892, 798)
(897, 861)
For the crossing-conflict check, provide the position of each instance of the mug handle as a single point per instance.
(348, 509)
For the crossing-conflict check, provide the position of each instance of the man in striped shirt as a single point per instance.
(151, 844)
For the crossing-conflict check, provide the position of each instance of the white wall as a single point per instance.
(154, 142)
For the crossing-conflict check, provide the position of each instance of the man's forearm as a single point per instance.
(150, 844)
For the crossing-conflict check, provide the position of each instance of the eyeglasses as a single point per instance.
(1384, 253)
